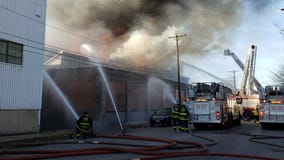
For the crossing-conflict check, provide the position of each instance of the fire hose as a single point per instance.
(142, 149)
(103, 150)
(256, 139)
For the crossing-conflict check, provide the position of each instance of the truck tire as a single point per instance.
(199, 126)
(265, 126)
(152, 124)
(239, 119)
(248, 114)
(231, 120)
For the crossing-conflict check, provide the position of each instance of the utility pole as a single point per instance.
(178, 37)
(235, 88)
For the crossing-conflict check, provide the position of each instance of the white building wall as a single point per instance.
(22, 21)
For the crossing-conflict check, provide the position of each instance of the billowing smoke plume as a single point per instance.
(138, 31)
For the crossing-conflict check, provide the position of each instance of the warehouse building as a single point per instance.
(30, 103)
(136, 92)
(22, 33)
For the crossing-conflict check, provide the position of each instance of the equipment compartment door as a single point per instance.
(201, 108)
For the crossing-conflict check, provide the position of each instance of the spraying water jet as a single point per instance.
(60, 94)
(211, 75)
(87, 48)
(153, 83)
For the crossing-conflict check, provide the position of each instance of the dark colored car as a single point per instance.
(161, 117)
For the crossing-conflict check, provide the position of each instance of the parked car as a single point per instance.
(161, 117)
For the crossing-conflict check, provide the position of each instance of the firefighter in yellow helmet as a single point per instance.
(84, 126)
(183, 118)
(175, 116)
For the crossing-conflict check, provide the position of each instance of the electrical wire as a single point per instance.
(64, 30)
(93, 62)
(150, 69)
(145, 70)
(132, 11)
(44, 23)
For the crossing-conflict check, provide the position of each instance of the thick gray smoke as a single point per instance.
(138, 31)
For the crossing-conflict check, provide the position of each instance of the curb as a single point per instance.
(33, 138)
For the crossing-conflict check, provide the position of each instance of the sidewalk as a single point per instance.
(34, 137)
(6, 140)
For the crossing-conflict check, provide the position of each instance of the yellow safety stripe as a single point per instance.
(82, 130)
(85, 124)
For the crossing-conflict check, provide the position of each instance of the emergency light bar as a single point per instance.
(276, 102)
(201, 100)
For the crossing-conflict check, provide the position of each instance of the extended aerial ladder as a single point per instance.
(248, 71)
(247, 100)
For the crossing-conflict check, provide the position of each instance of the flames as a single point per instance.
(136, 32)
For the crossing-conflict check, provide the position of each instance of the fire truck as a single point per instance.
(248, 105)
(272, 110)
(248, 99)
(210, 106)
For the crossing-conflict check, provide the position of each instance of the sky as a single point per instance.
(137, 32)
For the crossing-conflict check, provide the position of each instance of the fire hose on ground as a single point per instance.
(152, 150)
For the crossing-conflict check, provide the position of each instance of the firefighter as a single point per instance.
(175, 116)
(183, 118)
(84, 126)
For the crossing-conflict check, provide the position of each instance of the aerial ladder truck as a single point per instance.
(246, 99)
(209, 106)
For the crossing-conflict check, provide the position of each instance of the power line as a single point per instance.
(146, 18)
(69, 51)
(95, 61)
(60, 29)
(63, 30)
(132, 11)
(57, 28)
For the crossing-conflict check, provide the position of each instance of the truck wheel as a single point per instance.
(264, 126)
(169, 123)
(239, 119)
(152, 124)
(248, 114)
(231, 120)
(199, 126)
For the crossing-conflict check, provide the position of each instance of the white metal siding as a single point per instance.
(23, 21)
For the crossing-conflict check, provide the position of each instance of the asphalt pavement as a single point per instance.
(220, 144)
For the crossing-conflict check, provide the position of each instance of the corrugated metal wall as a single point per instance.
(21, 85)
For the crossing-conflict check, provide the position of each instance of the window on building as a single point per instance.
(11, 52)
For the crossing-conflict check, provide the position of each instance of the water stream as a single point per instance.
(110, 94)
(60, 94)
(155, 83)
(89, 50)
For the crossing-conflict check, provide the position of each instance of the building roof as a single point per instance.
(55, 59)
